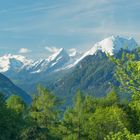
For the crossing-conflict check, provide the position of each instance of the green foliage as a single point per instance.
(122, 135)
(10, 122)
(92, 119)
(43, 116)
(73, 124)
(15, 103)
(89, 118)
(105, 120)
(111, 99)
(127, 73)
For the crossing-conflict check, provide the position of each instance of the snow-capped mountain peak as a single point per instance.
(115, 43)
(53, 62)
(14, 62)
(53, 56)
(59, 59)
(110, 45)
(63, 59)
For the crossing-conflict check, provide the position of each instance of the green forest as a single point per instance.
(114, 117)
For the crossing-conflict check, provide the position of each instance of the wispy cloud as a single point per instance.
(74, 23)
(35, 7)
(24, 50)
(51, 49)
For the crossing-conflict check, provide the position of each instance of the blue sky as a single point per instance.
(29, 26)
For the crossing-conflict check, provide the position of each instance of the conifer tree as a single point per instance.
(43, 116)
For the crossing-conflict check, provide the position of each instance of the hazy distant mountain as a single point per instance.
(13, 63)
(52, 63)
(18, 63)
(8, 89)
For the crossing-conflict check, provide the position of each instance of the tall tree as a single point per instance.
(72, 126)
(128, 75)
(43, 116)
(10, 122)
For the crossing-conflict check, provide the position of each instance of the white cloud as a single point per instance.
(51, 49)
(72, 51)
(24, 50)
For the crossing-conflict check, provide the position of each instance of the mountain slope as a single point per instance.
(91, 75)
(8, 89)
(58, 60)
(94, 76)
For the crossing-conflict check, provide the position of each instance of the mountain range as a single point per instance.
(64, 73)
(61, 59)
